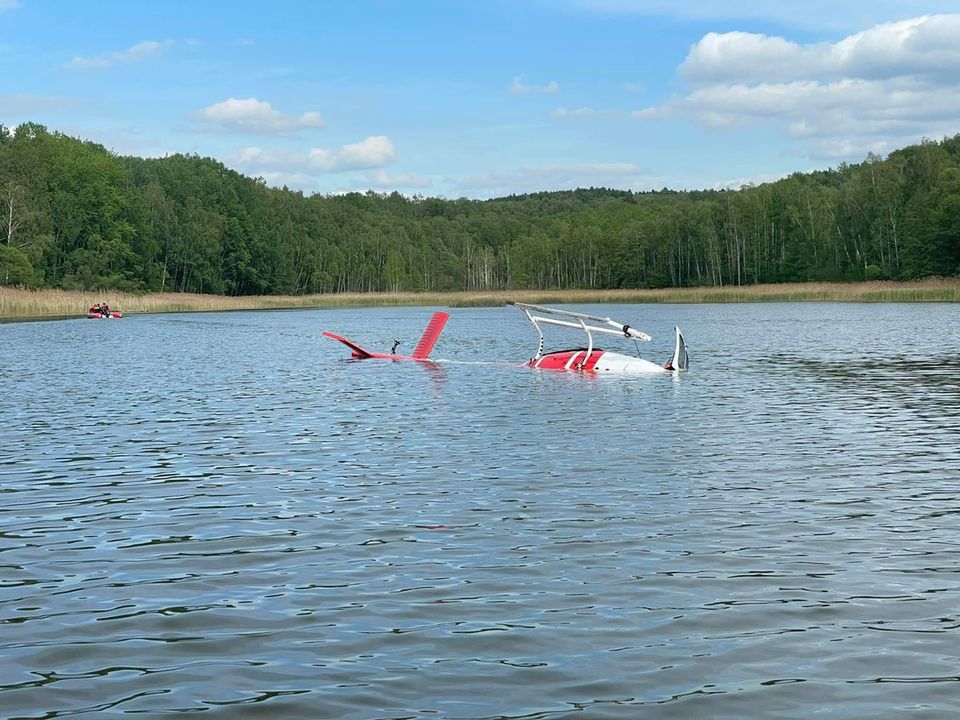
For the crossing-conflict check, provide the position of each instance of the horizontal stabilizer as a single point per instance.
(430, 335)
(358, 352)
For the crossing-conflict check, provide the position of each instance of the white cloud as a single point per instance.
(132, 54)
(562, 113)
(373, 152)
(925, 46)
(376, 151)
(381, 180)
(811, 107)
(647, 114)
(9, 5)
(873, 91)
(584, 112)
(256, 116)
(722, 56)
(519, 87)
(358, 166)
(556, 177)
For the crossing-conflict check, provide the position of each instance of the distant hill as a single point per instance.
(76, 216)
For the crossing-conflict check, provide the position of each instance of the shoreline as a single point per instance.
(19, 304)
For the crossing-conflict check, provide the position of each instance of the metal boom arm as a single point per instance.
(621, 328)
(622, 331)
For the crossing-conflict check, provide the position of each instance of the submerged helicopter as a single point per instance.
(589, 359)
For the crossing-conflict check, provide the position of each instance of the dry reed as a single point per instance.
(25, 304)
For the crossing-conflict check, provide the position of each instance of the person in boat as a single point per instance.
(105, 310)
(96, 310)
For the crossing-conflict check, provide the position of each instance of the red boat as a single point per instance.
(103, 312)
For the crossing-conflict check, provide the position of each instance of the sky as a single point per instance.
(486, 98)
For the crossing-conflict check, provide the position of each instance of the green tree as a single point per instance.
(15, 268)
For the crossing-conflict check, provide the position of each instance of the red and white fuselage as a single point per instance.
(591, 359)
(597, 361)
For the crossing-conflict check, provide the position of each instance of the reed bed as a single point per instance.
(18, 303)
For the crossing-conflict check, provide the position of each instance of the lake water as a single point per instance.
(220, 513)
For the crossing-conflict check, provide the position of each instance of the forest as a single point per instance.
(74, 215)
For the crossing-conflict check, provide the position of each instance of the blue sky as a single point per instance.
(486, 98)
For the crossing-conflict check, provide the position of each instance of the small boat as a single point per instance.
(592, 359)
(102, 312)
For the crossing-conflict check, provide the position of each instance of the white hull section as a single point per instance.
(611, 362)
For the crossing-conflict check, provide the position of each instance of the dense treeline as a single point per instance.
(76, 216)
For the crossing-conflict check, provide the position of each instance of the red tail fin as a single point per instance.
(430, 335)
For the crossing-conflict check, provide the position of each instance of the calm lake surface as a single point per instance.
(221, 514)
